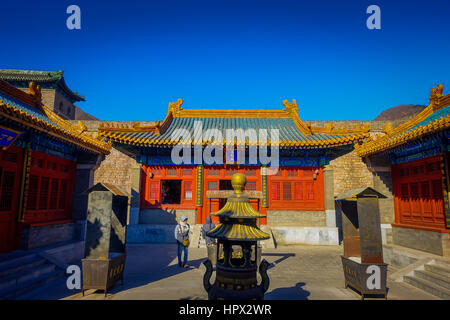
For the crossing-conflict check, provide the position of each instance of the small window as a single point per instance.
(250, 173)
(187, 172)
(156, 172)
(61, 106)
(251, 185)
(213, 172)
(10, 157)
(231, 172)
(292, 173)
(172, 172)
(212, 185)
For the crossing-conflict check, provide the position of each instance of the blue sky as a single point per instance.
(131, 58)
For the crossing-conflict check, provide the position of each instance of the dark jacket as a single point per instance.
(207, 227)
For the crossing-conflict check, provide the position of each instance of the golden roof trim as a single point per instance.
(176, 111)
(74, 134)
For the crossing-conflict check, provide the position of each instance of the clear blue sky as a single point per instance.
(132, 57)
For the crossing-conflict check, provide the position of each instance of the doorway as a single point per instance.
(224, 185)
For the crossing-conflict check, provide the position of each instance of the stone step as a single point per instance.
(438, 269)
(9, 283)
(428, 286)
(20, 267)
(442, 263)
(32, 284)
(435, 278)
(14, 259)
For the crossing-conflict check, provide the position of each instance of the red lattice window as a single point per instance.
(251, 185)
(154, 190)
(309, 191)
(292, 173)
(54, 194)
(43, 197)
(188, 190)
(250, 173)
(62, 194)
(213, 185)
(171, 172)
(50, 188)
(298, 191)
(7, 191)
(213, 172)
(275, 191)
(287, 191)
(33, 187)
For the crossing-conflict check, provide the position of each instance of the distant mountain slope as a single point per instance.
(81, 115)
(403, 111)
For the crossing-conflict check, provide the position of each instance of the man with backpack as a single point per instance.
(182, 236)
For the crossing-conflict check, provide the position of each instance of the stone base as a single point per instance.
(433, 242)
(42, 236)
(169, 216)
(296, 218)
(305, 235)
(66, 253)
(386, 233)
(151, 233)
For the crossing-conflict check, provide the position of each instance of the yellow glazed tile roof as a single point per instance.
(27, 109)
(435, 117)
(293, 132)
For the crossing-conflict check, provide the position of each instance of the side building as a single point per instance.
(45, 165)
(300, 194)
(56, 95)
(416, 156)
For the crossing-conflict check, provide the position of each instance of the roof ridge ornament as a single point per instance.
(34, 91)
(436, 95)
(175, 107)
(290, 107)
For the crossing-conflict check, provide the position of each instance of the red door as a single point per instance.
(10, 174)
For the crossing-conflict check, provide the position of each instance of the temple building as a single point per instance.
(300, 191)
(45, 165)
(416, 156)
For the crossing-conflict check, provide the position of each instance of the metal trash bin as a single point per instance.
(363, 265)
(104, 263)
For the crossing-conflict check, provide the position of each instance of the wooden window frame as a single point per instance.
(42, 213)
(146, 200)
(296, 204)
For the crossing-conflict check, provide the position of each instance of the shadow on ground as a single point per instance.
(288, 293)
(142, 267)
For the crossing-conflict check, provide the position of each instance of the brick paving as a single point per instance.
(298, 273)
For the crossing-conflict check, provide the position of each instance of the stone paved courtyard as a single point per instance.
(298, 273)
